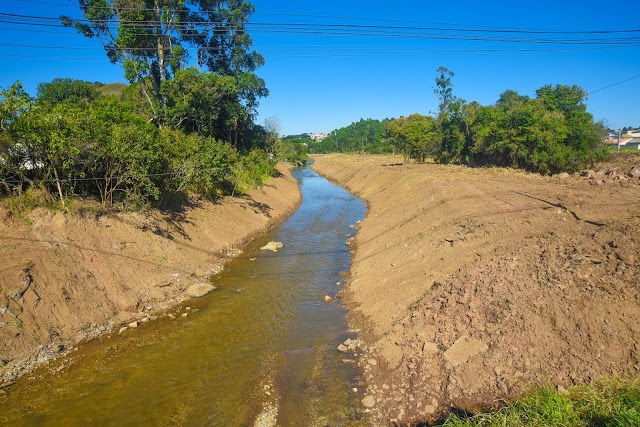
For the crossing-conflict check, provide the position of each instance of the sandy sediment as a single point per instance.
(471, 285)
(67, 277)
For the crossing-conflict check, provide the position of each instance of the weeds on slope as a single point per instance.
(610, 402)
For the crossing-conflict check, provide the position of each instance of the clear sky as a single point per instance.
(330, 63)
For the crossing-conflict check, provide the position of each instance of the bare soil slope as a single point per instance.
(65, 278)
(472, 284)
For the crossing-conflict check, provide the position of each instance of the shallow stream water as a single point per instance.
(258, 351)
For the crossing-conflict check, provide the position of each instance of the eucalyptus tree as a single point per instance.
(144, 36)
(151, 40)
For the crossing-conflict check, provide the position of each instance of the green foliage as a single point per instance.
(607, 403)
(150, 39)
(194, 100)
(14, 102)
(204, 165)
(365, 135)
(253, 169)
(549, 134)
(103, 147)
(61, 90)
(292, 150)
(416, 136)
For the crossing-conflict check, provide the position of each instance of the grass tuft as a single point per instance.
(608, 403)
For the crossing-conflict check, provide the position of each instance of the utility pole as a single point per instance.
(619, 131)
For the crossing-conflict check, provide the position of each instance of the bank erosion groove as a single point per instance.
(87, 274)
(472, 285)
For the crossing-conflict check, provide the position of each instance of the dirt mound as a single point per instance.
(65, 278)
(471, 285)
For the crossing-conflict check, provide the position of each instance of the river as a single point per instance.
(258, 351)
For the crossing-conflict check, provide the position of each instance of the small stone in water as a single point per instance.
(327, 298)
(342, 348)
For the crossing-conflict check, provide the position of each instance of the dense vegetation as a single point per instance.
(72, 140)
(607, 403)
(173, 131)
(366, 135)
(550, 133)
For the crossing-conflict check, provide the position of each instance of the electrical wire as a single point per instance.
(614, 84)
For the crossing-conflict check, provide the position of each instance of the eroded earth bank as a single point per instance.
(67, 277)
(471, 285)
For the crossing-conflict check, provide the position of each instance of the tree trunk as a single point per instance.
(55, 173)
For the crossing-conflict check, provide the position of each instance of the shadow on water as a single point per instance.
(260, 347)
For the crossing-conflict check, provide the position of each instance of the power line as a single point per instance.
(614, 84)
(361, 18)
(334, 26)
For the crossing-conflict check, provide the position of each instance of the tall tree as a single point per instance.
(451, 120)
(145, 36)
(225, 48)
(149, 38)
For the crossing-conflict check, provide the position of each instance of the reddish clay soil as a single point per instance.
(66, 277)
(472, 285)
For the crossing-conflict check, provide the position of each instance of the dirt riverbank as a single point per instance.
(471, 285)
(67, 277)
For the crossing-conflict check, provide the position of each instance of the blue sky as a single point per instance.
(326, 80)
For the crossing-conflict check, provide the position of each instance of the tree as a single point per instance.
(149, 38)
(273, 127)
(454, 129)
(61, 90)
(14, 102)
(444, 91)
(195, 100)
(416, 136)
(549, 134)
(144, 36)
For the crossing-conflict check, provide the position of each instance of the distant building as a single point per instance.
(632, 143)
(318, 136)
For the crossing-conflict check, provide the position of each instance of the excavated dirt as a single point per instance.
(69, 277)
(472, 285)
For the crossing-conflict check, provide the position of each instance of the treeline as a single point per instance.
(550, 133)
(71, 139)
(368, 135)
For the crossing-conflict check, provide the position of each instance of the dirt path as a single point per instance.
(65, 278)
(472, 284)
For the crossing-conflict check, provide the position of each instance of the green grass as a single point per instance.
(608, 403)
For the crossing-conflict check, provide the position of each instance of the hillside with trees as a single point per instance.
(365, 135)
